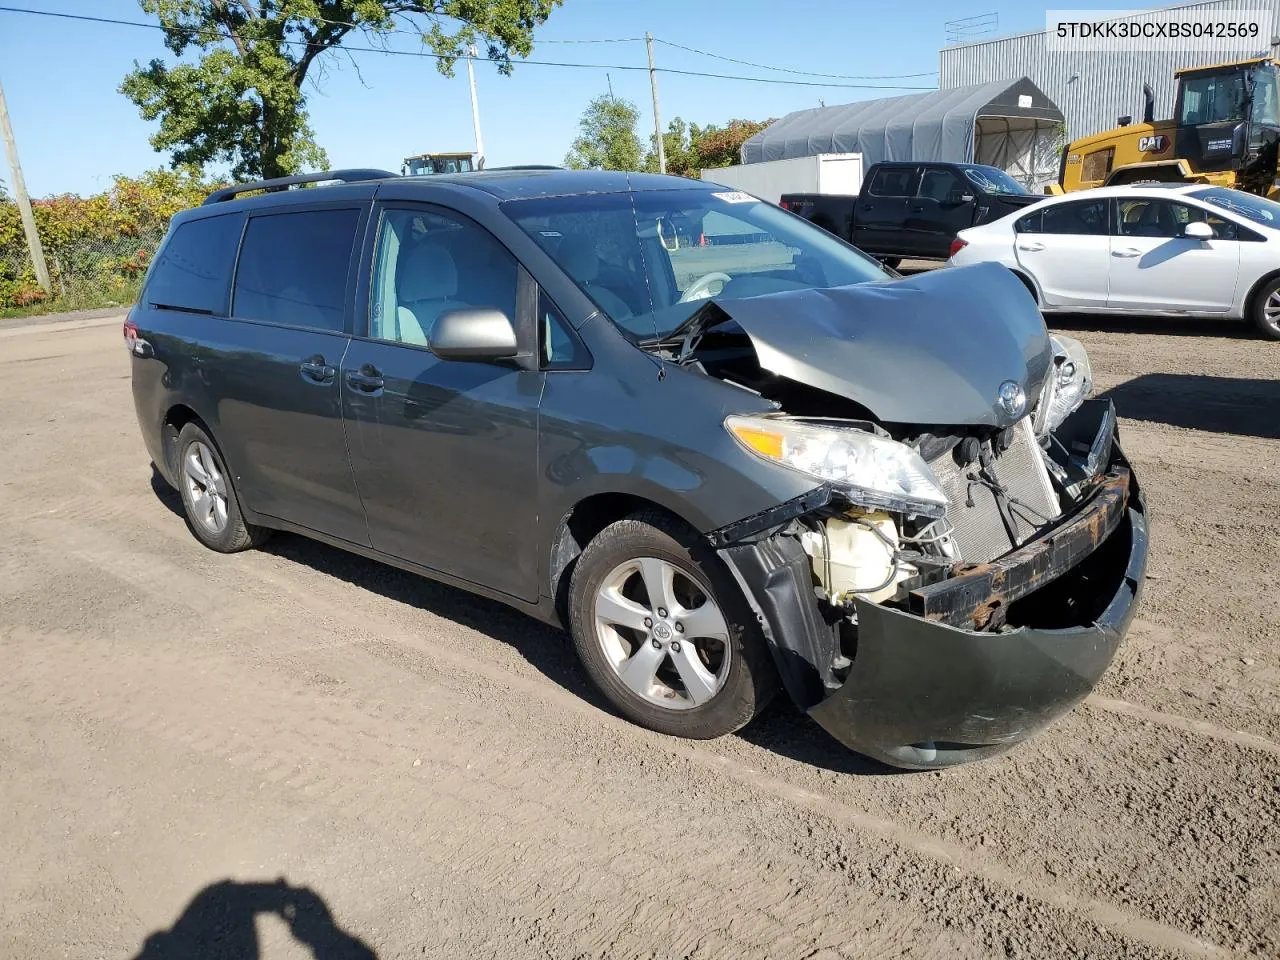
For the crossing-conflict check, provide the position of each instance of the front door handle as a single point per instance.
(1127, 252)
(1031, 247)
(918, 209)
(316, 370)
(368, 379)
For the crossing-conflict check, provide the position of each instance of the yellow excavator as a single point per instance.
(1225, 131)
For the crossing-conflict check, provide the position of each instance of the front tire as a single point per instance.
(208, 496)
(664, 633)
(1266, 309)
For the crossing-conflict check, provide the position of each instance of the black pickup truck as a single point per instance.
(913, 209)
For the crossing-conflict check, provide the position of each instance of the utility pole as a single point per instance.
(475, 110)
(24, 202)
(657, 117)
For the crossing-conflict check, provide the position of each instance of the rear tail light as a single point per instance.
(957, 245)
(130, 335)
(786, 204)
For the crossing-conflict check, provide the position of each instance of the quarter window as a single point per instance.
(429, 263)
(193, 270)
(560, 347)
(293, 268)
(892, 182)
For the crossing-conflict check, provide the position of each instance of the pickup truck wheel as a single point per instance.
(664, 632)
(209, 498)
(1266, 310)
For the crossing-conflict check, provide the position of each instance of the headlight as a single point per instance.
(871, 471)
(1067, 386)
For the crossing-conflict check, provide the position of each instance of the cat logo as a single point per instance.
(1157, 144)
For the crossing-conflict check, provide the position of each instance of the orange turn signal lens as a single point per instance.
(764, 442)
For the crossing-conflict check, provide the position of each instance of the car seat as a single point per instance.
(425, 288)
(577, 255)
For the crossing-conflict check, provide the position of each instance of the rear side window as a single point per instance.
(1083, 218)
(293, 268)
(193, 270)
(892, 182)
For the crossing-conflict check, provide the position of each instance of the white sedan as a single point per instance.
(1171, 249)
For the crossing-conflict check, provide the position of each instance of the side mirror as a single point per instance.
(1239, 140)
(1197, 230)
(478, 334)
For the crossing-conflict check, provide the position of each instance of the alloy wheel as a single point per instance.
(206, 487)
(662, 633)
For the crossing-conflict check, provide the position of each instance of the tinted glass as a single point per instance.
(1086, 218)
(938, 184)
(1266, 98)
(560, 347)
(428, 263)
(1028, 224)
(293, 268)
(993, 180)
(193, 270)
(650, 259)
(892, 182)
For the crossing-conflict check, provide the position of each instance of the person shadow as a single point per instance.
(219, 924)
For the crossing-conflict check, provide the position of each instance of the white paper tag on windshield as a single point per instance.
(735, 197)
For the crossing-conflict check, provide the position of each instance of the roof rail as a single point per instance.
(283, 183)
(526, 166)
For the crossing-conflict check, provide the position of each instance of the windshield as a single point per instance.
(993, 180)
(1255, 208)
(1266, 108)
(1215, 98)
(649, 260)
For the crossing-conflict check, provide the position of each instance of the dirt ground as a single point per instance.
(428, 775)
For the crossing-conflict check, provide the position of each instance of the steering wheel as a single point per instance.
(700, 289)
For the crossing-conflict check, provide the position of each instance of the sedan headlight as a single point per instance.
(871, 471)
(1067, 385)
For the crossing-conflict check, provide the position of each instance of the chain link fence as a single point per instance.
(96, 272)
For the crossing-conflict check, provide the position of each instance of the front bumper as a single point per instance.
(922, 693)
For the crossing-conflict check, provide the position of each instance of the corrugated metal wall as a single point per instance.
(1092, 89)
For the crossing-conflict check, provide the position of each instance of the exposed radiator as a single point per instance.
(978, 531)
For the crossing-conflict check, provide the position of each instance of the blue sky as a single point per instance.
(74, 130)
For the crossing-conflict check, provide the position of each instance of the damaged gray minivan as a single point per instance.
(729, 452)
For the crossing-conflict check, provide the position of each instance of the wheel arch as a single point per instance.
(1251, 298)
(1027, 282)
(579, 526)
(176, 417)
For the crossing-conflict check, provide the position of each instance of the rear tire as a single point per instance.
(700, 668)
(208, 496)
(1265, 309)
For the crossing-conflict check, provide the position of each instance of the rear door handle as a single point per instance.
(1031, 247)
(1127, 252)
(368, 379)
(316, 370)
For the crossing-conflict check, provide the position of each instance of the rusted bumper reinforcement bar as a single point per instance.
(978, 594)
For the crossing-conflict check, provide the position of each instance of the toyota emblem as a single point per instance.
(1013, 400)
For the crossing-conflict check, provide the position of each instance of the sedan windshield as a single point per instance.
(993, 180)
(649, 260)
(1248, 205)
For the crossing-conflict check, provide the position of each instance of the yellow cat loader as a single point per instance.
(1225, 131)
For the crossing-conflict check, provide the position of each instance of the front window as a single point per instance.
(650, 260)
(993, 180)
(1266, 105)
(1255, 208)
(1216, 98)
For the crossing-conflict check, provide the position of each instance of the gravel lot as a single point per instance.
(431, 777)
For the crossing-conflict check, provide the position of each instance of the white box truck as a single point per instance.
(834, 174)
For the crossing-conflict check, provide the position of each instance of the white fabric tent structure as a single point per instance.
(1009, 124)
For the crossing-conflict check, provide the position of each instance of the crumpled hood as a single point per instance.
(932, 349)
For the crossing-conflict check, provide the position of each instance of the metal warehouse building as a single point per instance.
(1093, 89)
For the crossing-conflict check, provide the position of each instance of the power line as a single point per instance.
(435, 56)
(802, 73)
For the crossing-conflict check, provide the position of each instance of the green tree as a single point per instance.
(607, 138)
(691, 148)
(241, 100)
